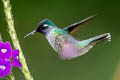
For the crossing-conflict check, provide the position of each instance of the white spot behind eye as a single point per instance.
(45, 25)
(2, 67)
(3, 50)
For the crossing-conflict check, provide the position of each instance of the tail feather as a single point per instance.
(88, 44)
(101, 37)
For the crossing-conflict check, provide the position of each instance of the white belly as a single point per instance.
(68, 51)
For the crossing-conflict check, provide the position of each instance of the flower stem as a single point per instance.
(0, 37)
(11, 76)
(13, 35)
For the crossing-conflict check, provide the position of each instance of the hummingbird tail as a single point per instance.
(85, 45)
(101, 37)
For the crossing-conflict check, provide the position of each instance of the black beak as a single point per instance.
(31, 33)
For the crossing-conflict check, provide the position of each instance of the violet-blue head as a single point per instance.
(43, 27)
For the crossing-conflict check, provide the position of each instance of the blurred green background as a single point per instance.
(99, 64)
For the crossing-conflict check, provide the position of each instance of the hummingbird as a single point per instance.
(62, 40)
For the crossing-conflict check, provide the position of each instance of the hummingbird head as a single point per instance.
(43, 27)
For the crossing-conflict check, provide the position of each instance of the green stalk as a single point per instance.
(12, 77)
(13, 35)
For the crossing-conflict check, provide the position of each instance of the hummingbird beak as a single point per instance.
(31, 33)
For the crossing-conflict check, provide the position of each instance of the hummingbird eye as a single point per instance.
(44, 26)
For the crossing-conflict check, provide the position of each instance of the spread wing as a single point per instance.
(73, 27)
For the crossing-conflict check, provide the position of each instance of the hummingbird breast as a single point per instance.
(56, 37)
(62, 43)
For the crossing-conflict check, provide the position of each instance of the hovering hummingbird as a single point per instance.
(62, 41)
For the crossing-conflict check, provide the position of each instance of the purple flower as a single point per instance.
(16, 62)
(5, 50)
(6, 61)
(5, 68)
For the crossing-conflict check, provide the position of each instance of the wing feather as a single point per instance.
(73, 27)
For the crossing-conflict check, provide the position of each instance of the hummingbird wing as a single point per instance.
(73, 27)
